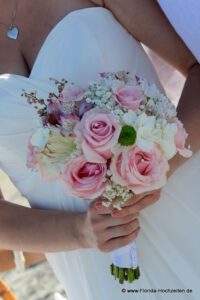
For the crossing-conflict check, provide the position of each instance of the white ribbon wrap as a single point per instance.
(126, 257)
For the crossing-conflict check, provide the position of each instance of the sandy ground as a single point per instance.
(38, 282)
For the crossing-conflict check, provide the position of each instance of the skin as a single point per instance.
(99, 228)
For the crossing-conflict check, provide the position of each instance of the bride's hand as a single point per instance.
(102, 231)
(137, 203)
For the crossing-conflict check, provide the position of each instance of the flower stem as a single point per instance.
(130, 275)
(121, 275)
(124, 274)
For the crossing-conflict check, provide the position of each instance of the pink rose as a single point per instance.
(129, 96)
(138, 170)
(99, 132)
(180, 139)
(85, 179)
(72, 93)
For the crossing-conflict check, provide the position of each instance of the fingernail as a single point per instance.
(98, 205)
(116, 212)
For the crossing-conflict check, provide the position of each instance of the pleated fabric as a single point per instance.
(82, 44)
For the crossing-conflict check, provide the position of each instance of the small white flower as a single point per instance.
(130, 117)
(150, 90)
(145, 121)
(88, 100)
(99, 93)
(109, 173)
(108, 188)
(108, 95)
(167, 142)
(40, 137)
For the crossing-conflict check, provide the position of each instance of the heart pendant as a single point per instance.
(13, 32)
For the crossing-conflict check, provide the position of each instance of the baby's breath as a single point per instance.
(116, 195)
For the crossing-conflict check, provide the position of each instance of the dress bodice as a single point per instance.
(84, 43)
(81, 45)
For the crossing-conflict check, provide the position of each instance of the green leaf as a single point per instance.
(127, 136)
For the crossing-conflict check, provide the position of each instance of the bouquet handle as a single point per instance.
(124, 265)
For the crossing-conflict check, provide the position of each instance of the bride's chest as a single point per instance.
(37, 21)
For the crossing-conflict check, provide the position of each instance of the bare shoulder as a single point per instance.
(11, 58)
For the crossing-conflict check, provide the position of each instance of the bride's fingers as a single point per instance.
(137, 197)
(108, 221)
(118, 242)
(107, 210)
(120, 230)
(149, 200)
(135, 204)
(100, 208)
(141, 204)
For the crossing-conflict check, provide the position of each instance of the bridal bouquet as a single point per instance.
(112, 139)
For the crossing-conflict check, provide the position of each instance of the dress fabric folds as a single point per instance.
(84, 43)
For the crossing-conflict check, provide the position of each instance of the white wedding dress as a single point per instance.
(83, 43)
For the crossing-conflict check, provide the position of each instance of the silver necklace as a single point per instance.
(12, 31)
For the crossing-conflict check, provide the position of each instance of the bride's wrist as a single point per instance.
(81, 230)
(68, 226)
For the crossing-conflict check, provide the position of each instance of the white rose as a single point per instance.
(167, 143)
(147, 134)
(150, 131)
(130, 118)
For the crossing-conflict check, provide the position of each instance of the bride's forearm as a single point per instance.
(35, 230)
(189, 113)
(156, 32)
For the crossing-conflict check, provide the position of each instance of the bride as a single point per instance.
(76, 40)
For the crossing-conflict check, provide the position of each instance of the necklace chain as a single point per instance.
(12, 30)
(15, 10)
(13, 16)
